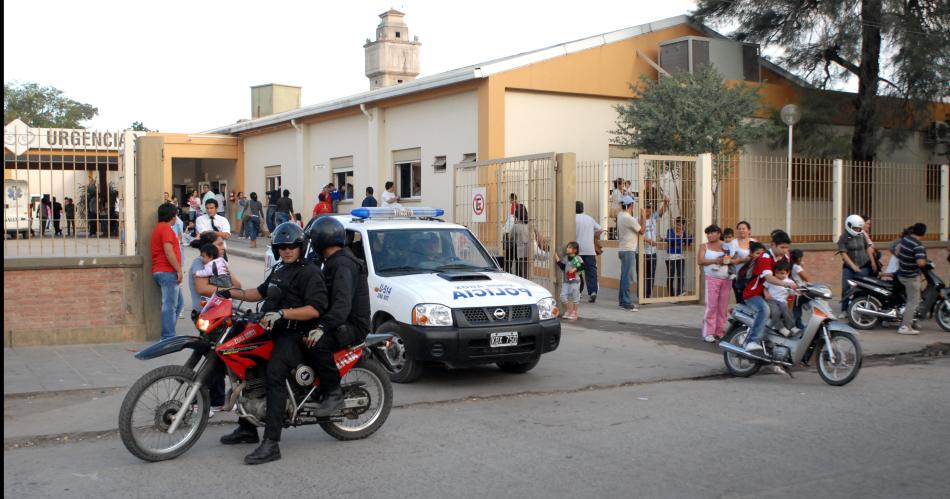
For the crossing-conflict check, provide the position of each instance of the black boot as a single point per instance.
(268, 451)
(241, 435)
(330, 403)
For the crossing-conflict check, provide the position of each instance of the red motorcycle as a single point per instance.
(166, 410)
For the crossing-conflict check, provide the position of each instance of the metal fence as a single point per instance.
(515, 213)
(824, 191)
(63, 195)
(601, 184)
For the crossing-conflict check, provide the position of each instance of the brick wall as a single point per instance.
(825, 266)
(71, 305)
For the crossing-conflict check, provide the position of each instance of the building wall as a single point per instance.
(543, 122)
(271, 149)
(446, 126)
(345, 136)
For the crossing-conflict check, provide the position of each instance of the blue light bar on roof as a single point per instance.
(384, 213)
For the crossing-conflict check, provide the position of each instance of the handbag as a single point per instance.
(218, 280)
(509, 224)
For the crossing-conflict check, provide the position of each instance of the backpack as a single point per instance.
(745, 273)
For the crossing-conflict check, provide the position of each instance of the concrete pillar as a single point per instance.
(704, 193)
(129, 212)
(149, 179)
(944, 202)
(565, 199)
(306, 194)
(837, 199)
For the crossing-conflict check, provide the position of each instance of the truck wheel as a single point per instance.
(519, 367)
(406, 368)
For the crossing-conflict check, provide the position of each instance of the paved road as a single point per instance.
(885, 435)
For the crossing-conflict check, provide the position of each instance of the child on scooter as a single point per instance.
(777, 297)
(573, 268)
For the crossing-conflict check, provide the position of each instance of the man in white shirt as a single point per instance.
(586, 229)
(629, 230)
(212, 222)
(390, 200)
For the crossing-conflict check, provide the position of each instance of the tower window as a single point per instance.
(397, 34)
(398, 81)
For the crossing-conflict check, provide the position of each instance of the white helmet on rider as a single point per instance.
(854, 224)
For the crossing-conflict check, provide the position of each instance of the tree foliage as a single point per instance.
(43, 107)
(139, 127)
(896, 48)
(688, 114)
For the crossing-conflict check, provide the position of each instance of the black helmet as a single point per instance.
(286, 233)
(324, 232)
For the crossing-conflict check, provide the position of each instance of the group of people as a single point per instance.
(101, 215)
(316, 313)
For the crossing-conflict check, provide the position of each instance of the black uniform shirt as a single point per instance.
(345, 276)
(302, 284)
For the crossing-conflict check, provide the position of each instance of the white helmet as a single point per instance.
(854, 224)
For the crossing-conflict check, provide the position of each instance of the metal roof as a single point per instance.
(478, 71)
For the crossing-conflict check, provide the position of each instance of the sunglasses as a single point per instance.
(282, 247)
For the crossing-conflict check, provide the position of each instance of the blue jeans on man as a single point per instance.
(762, 314)
(271, 211)
(590, 273)
(848, 273)
(172, 301)
(628, 262)
(281, 217)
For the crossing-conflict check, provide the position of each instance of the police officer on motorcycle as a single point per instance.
(347, 320)
(295, 297)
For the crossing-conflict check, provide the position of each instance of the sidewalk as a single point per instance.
(242, 247)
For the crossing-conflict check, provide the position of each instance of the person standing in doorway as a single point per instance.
(194, 206)
(369, 201)
(239, 216)
(166, 267)
(650, 217)
(520, 237)
(206, 194)
(586, 230)
(285, 209)
(629, 230)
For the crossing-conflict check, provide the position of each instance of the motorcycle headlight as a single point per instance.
(431, 314)
(547, 309)
(202, 325)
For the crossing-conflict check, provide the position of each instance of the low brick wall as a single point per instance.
(70, 301)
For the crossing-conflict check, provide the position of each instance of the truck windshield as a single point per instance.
(409, 251)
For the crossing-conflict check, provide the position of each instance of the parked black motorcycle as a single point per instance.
(874, 300)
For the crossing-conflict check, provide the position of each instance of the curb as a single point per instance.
(245, 253)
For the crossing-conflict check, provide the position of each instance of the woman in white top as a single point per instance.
(739, 251)
(715, 263)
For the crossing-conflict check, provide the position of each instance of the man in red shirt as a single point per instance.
(166, 267)
(755, 290)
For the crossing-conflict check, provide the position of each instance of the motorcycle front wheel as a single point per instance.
(150, 407)
(943, 315)
(738, 365)
(847, 361)
(366, 379)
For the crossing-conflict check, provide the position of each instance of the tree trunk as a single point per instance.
(863, 143)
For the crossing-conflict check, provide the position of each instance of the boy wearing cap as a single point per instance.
(629, 231)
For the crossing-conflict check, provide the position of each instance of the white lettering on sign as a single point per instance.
(479, 205)
(19, 138)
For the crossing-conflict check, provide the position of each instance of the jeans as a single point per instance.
(912, 291)
(271, 210)
(252, 227)
(762, 314)
(628, 262)
(281, 217)
(717, 305)
(779, 310)
(674, 276)
(649, 262)
(848, 273)
(172, 301)
(590, 273)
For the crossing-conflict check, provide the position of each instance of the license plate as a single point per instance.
(503, 339)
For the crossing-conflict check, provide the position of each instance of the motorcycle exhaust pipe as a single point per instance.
(232, 400)
(892, 314)
(729, 347)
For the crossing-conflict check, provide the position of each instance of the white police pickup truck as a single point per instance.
(441, 294)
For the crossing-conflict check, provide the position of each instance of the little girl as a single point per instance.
(573, 268)
(214, 263)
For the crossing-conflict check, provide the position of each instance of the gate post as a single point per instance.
(565, 198)
(837, 199)
(944, 202)
(704, 189)
(130, 235)
(148, 196)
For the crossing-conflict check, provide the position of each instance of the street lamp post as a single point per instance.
(790, 115)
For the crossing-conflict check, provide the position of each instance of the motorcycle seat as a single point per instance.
(875, 281)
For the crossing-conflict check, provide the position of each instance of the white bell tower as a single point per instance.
(391, 59)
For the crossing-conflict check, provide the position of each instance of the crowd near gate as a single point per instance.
(509, 204)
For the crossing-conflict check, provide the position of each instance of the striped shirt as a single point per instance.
(908, 252)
